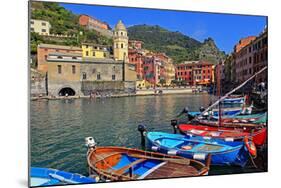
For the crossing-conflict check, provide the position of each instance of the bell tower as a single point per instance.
(120, 42)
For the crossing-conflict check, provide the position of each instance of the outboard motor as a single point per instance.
(142, 129)
(90, 143)
(201, 109)
(184, 111)
(174, 124)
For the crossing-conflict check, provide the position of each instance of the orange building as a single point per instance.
(43, 50)
(90, 22)
(243, 42)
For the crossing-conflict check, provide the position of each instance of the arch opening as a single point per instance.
(66, 91)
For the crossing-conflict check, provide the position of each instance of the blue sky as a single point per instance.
(225, 29)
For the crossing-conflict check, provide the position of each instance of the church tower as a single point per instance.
(120, 42)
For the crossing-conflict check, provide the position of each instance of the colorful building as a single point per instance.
(195, 72)
(43, 50)
(94, 24)
(95, 51)
(81, 71)
(251, 58)
(41, 27)
(90, 22)
(243, 42)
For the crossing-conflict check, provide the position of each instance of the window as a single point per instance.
(121, 33)
(94, 71)
(250, 49)
(113, 77)
(46, 57)
(250, 60)
(59, 57)
(94, 53)
(98, 76)
(32, 29)
(116, 45)
(43, 30)
(73, 69)
(121, 45)
(84, 76)
(104, 54)
(59, 69)
(74, 57)
(32, 22)
(43, 23)
(87, 53)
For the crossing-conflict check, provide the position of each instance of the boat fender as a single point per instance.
(199, 156)
(250, 147)
(154, 148)
(229, 139)
(90, 142)
(172, 152)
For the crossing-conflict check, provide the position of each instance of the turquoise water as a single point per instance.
(58, 127)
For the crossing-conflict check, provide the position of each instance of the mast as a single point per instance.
(232, 91)
(219, 90)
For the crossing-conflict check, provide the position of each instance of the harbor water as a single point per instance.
(58, 127)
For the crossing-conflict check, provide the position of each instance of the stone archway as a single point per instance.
(67, 91)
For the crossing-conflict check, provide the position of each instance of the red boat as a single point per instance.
(258, 134)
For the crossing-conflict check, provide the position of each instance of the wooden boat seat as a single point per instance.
(103, 157)
(122, 170)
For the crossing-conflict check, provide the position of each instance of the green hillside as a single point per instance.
(176, 45)
(64, 22)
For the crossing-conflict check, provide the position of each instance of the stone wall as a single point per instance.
(54, 87)
(37, 84)
(106, 71)
(105, 87)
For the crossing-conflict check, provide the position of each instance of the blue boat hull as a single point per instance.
(237, 155)
(46, 177)
(239, 100)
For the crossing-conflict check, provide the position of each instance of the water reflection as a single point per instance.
(58, 127)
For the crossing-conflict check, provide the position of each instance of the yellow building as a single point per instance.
(143, 84)
(120, 42)
(170, 72)
(41, 27)
(95, 51)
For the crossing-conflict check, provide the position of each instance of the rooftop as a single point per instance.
(120, 26)
(59, 47)
(66, 54)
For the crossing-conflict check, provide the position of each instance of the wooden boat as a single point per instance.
(258, 134)
(47, 176)
(223, 152)
(119, 163)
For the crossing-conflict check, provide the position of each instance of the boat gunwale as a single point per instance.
(233, 148)
(200, 167)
